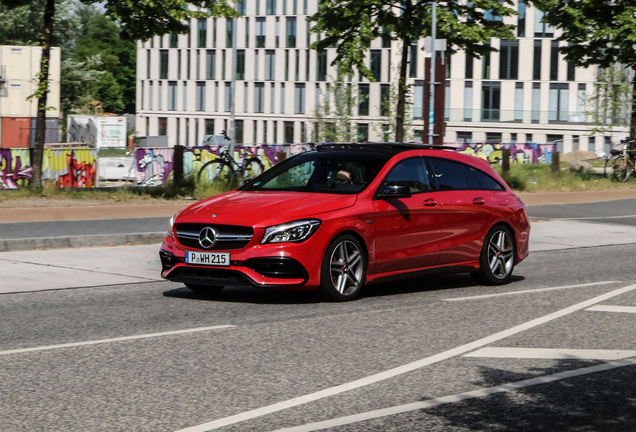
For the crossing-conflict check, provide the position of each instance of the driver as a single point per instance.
(344, 178)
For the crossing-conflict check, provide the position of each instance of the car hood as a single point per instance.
(262, 209)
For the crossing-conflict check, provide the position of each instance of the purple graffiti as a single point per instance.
(14, 175)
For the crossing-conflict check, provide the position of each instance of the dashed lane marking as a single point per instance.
(117, 339)
(603, 308)
(529, 291)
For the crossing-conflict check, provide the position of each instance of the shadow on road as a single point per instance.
(598, 402)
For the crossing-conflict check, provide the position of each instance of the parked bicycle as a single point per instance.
(225, 168)
(622, 161)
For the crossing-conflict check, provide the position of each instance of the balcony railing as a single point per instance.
(526, 116)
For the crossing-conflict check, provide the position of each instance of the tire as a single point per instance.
(204, 289)
(344, 269)
(497, 258)
(620, 170)
(215, 171)
(609, 164)
(253, 167)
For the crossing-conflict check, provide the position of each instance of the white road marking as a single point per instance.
(603, 308)
(529, 291)
(456, 398)
(372, 379)
(117, 339)
(551, 353)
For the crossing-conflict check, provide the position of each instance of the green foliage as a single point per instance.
(609, 105)
(333, 117)
(390, 108)
(351, 25)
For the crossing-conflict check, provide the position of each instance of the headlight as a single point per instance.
(292, 232)
(171, 224)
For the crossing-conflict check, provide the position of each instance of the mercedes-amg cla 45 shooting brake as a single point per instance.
(347, 215)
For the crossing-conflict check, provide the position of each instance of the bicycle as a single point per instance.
(224, 168)
(623, 164)
(615, 154)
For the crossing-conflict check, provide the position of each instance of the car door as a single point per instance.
(407, 229)
(466, 212)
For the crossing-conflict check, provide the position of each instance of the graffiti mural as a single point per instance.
(524, 153)
(154, 165)
(15, 168)
(70, 168)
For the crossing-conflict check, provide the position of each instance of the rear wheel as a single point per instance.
(497, 259)
(609, 165)
(252, 168)
(215, 171)
(204, 289)
(620, 169)
(343, 269)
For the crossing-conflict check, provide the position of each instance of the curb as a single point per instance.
(8, 245)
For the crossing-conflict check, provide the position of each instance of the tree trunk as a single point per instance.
(401, 103)
(41, 94)
(632, 123)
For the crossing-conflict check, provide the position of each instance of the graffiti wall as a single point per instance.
(15, 168)
(524, 153)
(62, 167)
(154, 165)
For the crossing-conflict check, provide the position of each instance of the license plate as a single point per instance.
(208, 258)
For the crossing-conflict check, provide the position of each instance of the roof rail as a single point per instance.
(383, 145)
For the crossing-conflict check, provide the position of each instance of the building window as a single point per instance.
(289, 132)
(200, 100)
(270, 64)
(241, 7)
(150, 95)
(223, 64)
(307, 58)
(321, 66)
(174, 40)
(363, 99)
(291, 32)
(179, 64)
(188, 65)
(260, 32)
(277, 39)
(299, 99)
(541, 29)
(271, 7)
(228, 97)
(245, 94)
(485, 64)
(229, 33)
(210, 65)
(272, 98)
(386, 37)
(490, 99)
(554, 61)
(297, 66)
(214, 26)
(238, 131)
(142, 95)
(468, 101)
(376, 65)
(256, 64)
(247, 32)
(509, 59)
(286, 65)
(363, 132)
(521, 20)
(203, 32)
(185, 96)
(282, 98)
(385, 99)
(240, 64)
(558, 139)
(493, 137)
(558, 102)
(209, 126)
(536, 102)
(571, 70)
(259, 97)
(163, 64)
(160, 98)
(198, 65)
(464, 137)
(519, 101)
(172, 96)
(413, 61)
(216, 97)
(163, 126)
(470, 60)
(591, 144)
(536, 65)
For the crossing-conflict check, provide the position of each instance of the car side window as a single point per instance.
(481, 180)
(449, 175)
(409, 172)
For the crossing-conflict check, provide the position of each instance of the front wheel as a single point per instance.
(621, 171)
(497, 259)
(252, 168)
(609, 165)
(343, 269)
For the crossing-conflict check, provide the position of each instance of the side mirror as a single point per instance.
(395, 191)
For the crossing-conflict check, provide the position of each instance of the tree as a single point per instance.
(351, 25)
(139, 19)
(598, 32)
(388, 112)
(333, 119)
(609, 104)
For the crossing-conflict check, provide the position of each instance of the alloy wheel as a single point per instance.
(346, 267)
(500, 254)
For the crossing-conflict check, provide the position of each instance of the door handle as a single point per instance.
(479, 201)
(430, 202)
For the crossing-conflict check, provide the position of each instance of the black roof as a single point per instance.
(382, 147)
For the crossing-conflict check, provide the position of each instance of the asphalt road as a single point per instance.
(616, 212)
(395, 360)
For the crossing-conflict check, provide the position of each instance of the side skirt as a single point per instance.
(420, 273)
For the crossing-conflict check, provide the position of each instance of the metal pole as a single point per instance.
(431, 100)
(233, 91)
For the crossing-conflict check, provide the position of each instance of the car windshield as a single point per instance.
(340, 172)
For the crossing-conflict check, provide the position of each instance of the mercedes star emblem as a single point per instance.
(207, 238)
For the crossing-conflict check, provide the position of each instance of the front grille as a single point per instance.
(229, 236)
(278, 268)
(197, 275)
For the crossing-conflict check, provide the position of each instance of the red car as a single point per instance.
(347, 215)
